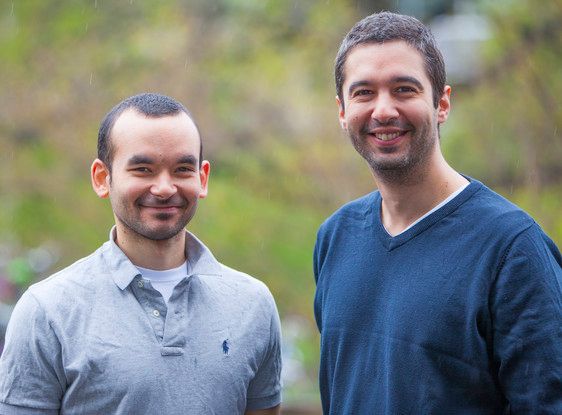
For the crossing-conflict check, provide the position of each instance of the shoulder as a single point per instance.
(345, 230)
(489, 212)
(77, 280)
(247, 285)
(494, 224)
(246, 302)
(534, 249)
(350, 220)
(236, 293)
(352, 213)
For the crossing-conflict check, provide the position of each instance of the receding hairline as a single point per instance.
(133, 111)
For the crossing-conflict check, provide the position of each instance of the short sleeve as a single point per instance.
(526, 307)
(31, 374)
(264, 390)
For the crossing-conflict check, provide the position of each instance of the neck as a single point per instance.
(147, 253)
(407, 197)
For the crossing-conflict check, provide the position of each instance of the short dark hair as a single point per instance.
(384, 27)
(149, 104)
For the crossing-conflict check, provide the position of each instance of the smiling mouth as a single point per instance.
(387, 137)
(162, 207)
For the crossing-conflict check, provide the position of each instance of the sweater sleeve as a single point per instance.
(317, 259)
(526, 306)
(31, 373)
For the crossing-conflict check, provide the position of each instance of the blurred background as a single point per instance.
(258, 77)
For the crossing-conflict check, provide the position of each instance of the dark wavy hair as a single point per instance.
(384, 27)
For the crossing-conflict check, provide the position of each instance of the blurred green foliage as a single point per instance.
(257, 75)
(506, 128)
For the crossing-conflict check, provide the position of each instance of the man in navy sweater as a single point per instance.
(434, 294)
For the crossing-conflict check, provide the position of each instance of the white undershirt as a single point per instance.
(164, 281)
(439, 206)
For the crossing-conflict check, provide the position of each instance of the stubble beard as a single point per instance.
(401, 169)
(133, 221)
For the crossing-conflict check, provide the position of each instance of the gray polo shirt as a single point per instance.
(96, 338)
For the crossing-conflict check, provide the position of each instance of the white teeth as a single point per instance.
(387, 137)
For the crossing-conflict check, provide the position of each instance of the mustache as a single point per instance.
(149, 200)
(372, 124)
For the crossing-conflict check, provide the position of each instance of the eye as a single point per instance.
(185, 169)
(405, 89)
(361, 92)
(141, 170)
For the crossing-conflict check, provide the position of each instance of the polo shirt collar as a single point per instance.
(200, 260)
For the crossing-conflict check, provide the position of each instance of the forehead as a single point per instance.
(135, 133)
(376, 61)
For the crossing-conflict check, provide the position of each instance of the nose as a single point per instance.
(163, 186)
(384, 108)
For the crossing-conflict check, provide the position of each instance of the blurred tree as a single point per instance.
(506, 128)
(513, 116)
(258, 77)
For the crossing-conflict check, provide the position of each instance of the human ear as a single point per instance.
(341, 113)
(204, 172)
(444, 105)
(100, 178)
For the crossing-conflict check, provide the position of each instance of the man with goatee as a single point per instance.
(151, 322)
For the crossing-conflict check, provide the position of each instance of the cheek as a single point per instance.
(354, 118)
(129, 190)
(192, 190)
(421, 113)
(359, 112)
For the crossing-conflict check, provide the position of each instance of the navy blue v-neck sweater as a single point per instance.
(460, 314)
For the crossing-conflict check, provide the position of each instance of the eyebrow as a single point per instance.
(409, 80)
(188, 159)
(140, 159)
(395, 80)
(355, 85)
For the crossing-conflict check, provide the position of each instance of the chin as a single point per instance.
(162, 234)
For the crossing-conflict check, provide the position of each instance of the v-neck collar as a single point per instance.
(392, 242)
